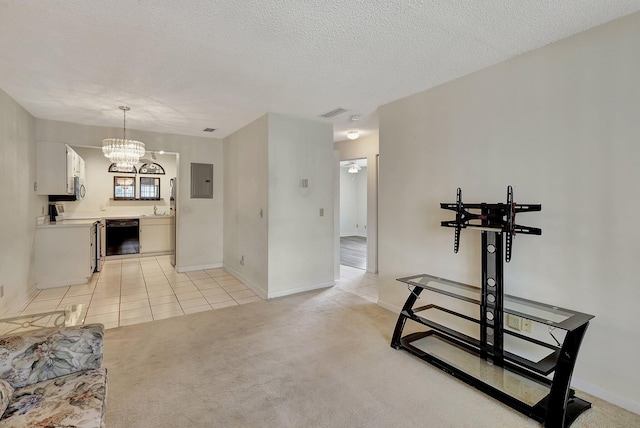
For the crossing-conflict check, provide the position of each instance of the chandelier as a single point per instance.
(124, 153)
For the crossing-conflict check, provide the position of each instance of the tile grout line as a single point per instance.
(217, 278)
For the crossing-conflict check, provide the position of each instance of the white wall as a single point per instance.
(301, 242)
(246, 178)
(99, 187)
(199, 228)
(353, 202)
(348, 203)
(561, 125)
(20, 204)
(361, 201)
(365, 147)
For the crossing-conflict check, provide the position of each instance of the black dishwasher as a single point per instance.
(122, 236)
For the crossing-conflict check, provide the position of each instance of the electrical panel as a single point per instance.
(202, 181)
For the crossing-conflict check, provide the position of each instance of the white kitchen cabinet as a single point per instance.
(64, 254)
(81, 168)
(155, 234)
(56, 165)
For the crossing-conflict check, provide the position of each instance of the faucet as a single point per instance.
(155, 210)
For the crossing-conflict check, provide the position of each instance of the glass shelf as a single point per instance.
(545, 314)
(522, 388)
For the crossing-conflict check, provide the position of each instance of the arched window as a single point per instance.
(151, 168)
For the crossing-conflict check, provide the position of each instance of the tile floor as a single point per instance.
(136, 290)
(360, 282)
(131, 291)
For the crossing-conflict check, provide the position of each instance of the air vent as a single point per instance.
(333, 113)
(209, 129)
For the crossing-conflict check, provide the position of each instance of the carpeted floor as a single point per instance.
(316, 359)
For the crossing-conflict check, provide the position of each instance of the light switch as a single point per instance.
(321, 212)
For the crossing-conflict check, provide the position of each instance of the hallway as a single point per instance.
(353, 251)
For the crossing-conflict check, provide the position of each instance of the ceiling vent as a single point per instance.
(209, 129)
(333, 113)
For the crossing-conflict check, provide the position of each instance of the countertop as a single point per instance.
(88, 221)
(68, 223)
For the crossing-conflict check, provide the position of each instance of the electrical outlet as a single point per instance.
(526, 325)
(321, 212)
(35, 186)
(2, 290)
(514, 322)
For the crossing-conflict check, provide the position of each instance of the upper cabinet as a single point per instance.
(75, 164)
(57, 164)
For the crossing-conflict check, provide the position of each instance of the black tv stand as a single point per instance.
(503, 345)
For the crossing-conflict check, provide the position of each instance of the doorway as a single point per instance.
(353, 213)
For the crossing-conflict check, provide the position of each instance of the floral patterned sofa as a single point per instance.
(53, 377)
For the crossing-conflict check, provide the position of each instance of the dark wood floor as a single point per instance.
(353, 251)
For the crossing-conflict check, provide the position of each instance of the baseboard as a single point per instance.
(393, 308)
(606, 395)
(295, 290)
(65, 283)
(200, 267)
(260, 292)
(251, 285)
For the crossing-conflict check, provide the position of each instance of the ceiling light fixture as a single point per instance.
(352, 135)
(124, 153)
(353, 169)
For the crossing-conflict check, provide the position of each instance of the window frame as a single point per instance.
(156, 184)
(116, 184)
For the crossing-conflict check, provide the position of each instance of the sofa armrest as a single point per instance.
(38, 355)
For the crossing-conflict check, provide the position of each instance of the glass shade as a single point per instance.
(124, 153)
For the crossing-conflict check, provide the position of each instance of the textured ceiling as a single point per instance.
(184, 66)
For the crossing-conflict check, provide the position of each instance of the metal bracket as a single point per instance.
(492, 217)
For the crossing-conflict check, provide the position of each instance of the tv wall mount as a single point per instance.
(492, 217)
